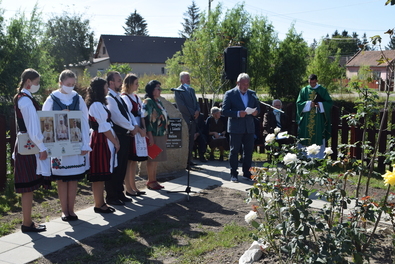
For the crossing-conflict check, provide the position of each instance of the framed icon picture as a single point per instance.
(61, 131)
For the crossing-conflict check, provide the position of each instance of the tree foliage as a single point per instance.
(20, 49)
(391, 44)
(191, 21)
(69, 40)
(202, 55)
(325, 66)
(289, 66)
(135, 25)
(348, 44)
(261, 40)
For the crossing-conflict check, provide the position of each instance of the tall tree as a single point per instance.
(348, 45)
(260, 42)
(289, 66)
(20, 49)
(325, 66)
(135, 25)
(69, 39)
(391, 44)
(191, 21)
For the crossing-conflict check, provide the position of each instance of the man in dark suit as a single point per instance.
(237, 105)
(275, 118)
(188, 105)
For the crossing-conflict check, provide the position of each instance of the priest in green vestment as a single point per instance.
(313, 115)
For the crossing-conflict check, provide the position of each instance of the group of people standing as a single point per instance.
(116, 130)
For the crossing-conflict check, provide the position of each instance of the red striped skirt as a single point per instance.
(100, 157)
(25, 177)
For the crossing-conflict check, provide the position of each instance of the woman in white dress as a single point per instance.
(68, 170)
(104, 143)
(138, 151)
(29, 169)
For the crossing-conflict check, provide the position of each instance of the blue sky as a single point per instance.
(314, 19)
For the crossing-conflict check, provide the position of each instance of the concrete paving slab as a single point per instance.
(21, 255)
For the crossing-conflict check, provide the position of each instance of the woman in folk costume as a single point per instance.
(104, 142)
(138, 143)
(68, 170)
(313, 115)
(29, 169)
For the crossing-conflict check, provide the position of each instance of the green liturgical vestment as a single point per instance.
(314, 125)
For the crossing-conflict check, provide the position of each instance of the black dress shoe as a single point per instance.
(132, 194)
(73, 218)
(125, 199)
(141, 193)
(109, 210)
(33, 228)
(115, 202)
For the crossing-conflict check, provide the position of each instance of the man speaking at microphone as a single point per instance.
(188, 106)
(241, 105)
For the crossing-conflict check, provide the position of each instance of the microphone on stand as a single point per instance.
(273, 107)
(177, 90)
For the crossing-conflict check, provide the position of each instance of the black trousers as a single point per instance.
(114, 187)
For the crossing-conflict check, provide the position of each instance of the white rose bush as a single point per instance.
(284, 215)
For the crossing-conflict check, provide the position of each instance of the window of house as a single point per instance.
(376, 75)
(163, 70)
(104, 50)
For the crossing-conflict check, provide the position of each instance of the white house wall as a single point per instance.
(98, 66)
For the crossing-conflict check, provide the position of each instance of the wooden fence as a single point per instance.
(341, 133)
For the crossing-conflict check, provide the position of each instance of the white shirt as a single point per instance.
(116, 115)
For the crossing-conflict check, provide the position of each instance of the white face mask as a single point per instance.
(67, 89)
(34, 88)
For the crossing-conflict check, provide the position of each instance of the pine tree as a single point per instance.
(391, 44)
(191, 21)
(136, 25)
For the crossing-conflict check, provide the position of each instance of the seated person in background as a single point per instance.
(216, 127)
(200, 137)
(275, 118)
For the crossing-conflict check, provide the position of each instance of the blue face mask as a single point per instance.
(276, 111)
(187, 85)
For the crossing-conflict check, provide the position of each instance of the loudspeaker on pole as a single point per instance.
(235, 60)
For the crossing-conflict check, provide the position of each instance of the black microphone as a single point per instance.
(177, 90)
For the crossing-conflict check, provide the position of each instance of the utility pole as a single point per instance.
(209, 6)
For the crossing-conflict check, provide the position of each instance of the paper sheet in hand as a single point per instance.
(154, 151)
(250, 110)
(282, 135)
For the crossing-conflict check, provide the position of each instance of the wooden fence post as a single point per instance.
(3, 152)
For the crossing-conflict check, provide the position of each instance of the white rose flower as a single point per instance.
(328, 151)
(277, 130)
(251, 216)
(270, 138)
(313, 149)
(290, 158)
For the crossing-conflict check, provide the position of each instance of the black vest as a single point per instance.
(123, 109)
(19, 117)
